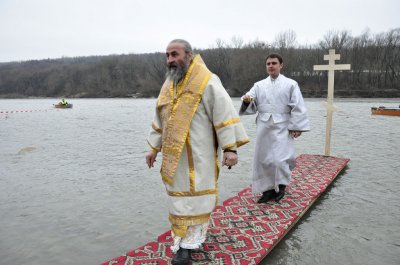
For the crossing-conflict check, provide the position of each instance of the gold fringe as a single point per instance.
(189, 193)
(179, 230)
(189, 220)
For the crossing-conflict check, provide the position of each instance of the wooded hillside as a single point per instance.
(374, 59)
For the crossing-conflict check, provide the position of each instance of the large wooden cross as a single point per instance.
(331, 67)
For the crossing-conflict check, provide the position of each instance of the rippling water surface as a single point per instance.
(74, 187)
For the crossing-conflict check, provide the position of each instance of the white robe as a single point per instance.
(281, 108)
(193, 194)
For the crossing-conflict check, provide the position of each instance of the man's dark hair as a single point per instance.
(186, 44)
(275, 55)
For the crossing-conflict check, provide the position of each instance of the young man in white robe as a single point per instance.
(282, 116)
(194, 117)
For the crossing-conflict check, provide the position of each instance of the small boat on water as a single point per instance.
(63, 106)
(385, 111)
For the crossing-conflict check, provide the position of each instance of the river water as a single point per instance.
(75, 189)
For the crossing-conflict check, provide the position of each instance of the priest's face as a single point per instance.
(273, 67)
(178, 61)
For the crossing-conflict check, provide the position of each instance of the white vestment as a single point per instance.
(281, 108)
(192, 195)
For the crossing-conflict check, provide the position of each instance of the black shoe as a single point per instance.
(182, 257)
(267, 195)
(281, 193)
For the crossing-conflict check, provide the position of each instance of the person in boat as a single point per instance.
(63, 102)
(282, 116)
(194, 116)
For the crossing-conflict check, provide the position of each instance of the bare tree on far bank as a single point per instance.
(374, 59)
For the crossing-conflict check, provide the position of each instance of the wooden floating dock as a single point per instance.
(244, 232)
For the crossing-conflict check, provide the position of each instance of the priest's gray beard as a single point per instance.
(176, 72)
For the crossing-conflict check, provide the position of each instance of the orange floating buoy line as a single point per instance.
(23, 111)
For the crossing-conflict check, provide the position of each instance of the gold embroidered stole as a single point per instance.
(176, 115)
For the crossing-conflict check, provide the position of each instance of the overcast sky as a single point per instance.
(40, 29)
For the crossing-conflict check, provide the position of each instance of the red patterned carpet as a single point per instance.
(244, 232)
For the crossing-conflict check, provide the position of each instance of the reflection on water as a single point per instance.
(74, 187)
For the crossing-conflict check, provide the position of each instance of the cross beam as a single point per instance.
(330, 67)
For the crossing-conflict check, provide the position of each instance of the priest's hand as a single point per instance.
(246, 99)
(230, 159)
(151, 158)
(295, 134)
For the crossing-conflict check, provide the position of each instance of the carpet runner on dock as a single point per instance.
(242, 231)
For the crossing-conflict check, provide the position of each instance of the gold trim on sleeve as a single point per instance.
(237, 144)
(240, 143)
(226, 123)
(156, 128)
(154, 148)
